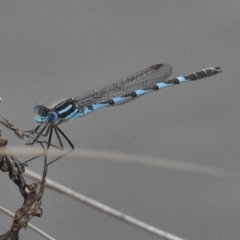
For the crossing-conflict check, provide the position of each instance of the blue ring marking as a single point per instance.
(141, 92)
(65, 109)
(182, 79)
(120, 99)
(163, 85)
(97, 106)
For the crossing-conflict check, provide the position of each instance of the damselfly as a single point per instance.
(120, 92)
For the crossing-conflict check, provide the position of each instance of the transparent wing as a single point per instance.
(140, 80)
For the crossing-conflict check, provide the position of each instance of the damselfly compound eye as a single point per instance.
(52, 117)
(36, 108)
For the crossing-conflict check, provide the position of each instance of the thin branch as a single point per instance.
(150, 161)
(37, 230)
(103, 208)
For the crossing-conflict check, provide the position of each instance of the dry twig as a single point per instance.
(7, 123)
(105, 209)
(32, 198)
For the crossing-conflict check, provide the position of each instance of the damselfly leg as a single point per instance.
(59, 133)
(39, 133)
(47, 131)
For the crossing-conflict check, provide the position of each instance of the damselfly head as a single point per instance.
(52, 117)
(41, 110)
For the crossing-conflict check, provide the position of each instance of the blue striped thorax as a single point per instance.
(65, 110)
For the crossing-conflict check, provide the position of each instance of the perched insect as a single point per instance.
(124, 90)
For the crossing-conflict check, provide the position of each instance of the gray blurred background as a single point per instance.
(55, 49)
